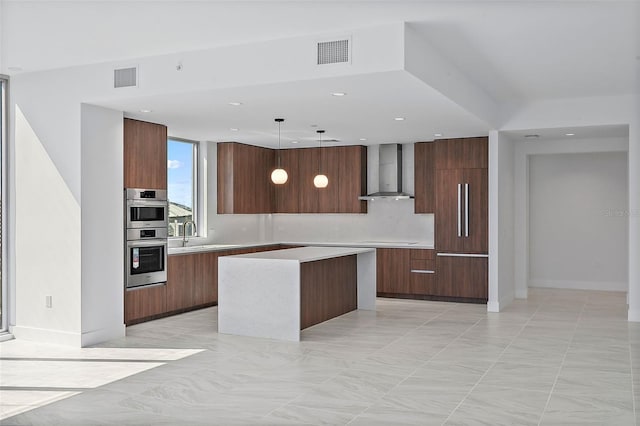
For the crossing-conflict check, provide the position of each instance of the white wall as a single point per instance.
(578, 224)
(524, 208)
(102, 276)
(501, 222)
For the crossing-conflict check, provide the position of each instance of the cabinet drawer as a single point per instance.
(423, 284)
(423, 254)
(423, 266)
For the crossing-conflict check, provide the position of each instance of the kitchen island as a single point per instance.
(275, 294)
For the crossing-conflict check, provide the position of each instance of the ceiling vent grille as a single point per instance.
(333, 52)
(125, 77)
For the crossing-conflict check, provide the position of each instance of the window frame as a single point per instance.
(195, 196)
(4, 141)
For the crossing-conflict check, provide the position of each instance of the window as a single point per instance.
(182, 190)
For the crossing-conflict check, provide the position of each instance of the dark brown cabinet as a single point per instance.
(461, 196)
(143, 303)
(409, 272)
(462, 153)
(288, 194)
(424, 175)
(205, 289)
(180, 281)
(145, 155)
(346, 169)
(461, 218)
(463, 277)
(244, 179)
(392, 271)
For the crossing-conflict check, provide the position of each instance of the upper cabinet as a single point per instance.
(346, 168)
(145, 155)
(462, 153)
(244, 179)
(424, 175)
(461, 195)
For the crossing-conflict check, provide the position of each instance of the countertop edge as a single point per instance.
(226, 247)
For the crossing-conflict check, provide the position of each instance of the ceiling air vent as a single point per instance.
(125, 77)
(333, 52)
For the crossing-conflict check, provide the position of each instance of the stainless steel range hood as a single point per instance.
(390, 174)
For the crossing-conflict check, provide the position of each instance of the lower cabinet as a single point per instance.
(463, 277)
(420, 274)
(180, 281)
(144, 302)
(205, 289)
(405, 271)
(192, 283)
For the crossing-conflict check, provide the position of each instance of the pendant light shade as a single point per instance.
(279, 176)
(321, 180)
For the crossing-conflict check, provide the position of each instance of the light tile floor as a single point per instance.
(558, 358)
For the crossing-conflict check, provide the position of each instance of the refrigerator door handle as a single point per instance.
(459, 211)
(466, 209)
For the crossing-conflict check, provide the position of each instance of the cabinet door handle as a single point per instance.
(422, 271)
(466, 209)
(459, 211)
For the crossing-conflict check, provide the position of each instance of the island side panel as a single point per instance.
(259, 297)
(367, 280)
(328, 288)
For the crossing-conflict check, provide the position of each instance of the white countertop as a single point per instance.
(304, 254)
(365, 244)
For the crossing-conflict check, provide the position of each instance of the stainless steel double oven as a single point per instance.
(146, 220)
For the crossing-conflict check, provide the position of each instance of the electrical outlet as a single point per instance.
(48, 301)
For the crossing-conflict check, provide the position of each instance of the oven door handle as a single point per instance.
(140, 203)
(147, 243)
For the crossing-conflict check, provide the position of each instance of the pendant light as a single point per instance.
(279, 175)
(320, 181)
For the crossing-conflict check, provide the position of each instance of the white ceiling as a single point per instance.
(368, 110)
(517, 51)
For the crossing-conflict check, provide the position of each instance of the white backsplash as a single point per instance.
(387, 220)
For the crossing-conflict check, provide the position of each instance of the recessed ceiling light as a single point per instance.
(338, 94)
(235, 103)
(532, 136)
(399, 118)
(294, 141)
(570, 134)
(146, 110)
(437, 135)
(234, 129)
(363, 139)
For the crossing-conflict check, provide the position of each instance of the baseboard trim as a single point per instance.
(493, 306)
(43, 335)
(497, 306)
(103, 335)
(633, 316)
(581, 285)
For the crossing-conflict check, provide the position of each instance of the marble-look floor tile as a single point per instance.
(297, 415)
(409, 362)
(495, 405)
(385, 415)
(521, 376)
(598, 408)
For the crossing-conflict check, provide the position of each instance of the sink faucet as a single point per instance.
(184, 231)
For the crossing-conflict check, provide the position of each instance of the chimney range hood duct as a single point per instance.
(390, 174)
